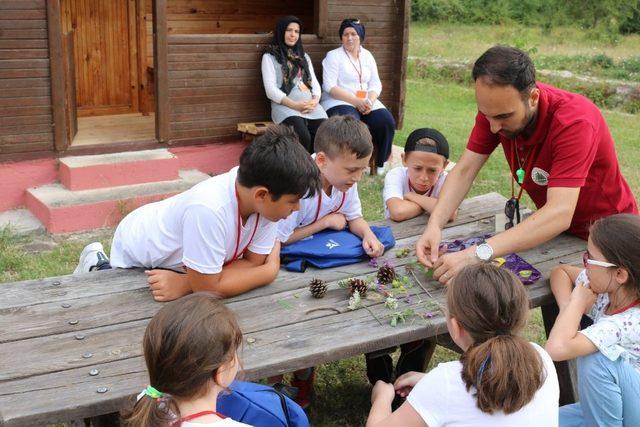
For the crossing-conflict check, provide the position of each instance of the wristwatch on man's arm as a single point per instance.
(484, 252)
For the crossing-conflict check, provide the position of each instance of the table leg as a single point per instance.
(566, 370)
(107, 420)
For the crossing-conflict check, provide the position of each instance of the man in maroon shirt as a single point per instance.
(559, 149)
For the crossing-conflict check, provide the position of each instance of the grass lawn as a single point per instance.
(562, 48)
(342, 389)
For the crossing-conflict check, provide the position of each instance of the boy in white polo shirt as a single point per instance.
(411, 190)
(414, 187)
(343, 148)
(222, 231)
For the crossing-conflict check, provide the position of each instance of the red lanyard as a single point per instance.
(237, 254)
(625, 308)
(354, 65)
(344, 196)
(196, 415)
(428, 193)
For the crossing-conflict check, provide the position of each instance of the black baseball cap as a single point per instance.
(441, 147)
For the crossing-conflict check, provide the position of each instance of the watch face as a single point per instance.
(484, 252)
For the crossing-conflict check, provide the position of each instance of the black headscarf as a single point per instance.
(291, 59)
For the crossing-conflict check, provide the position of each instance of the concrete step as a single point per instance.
(62, 210)
(118, 169)
(20, 221)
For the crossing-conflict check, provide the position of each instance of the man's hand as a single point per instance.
(167, 285)
(334, 221)
(427, 246)
(448, 265)
(383, 391)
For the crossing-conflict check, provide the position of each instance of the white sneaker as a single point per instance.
(92, 257)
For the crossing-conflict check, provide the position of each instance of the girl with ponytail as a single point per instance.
(190, 349)
(501, 379)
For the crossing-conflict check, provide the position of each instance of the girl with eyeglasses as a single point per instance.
(607, 289)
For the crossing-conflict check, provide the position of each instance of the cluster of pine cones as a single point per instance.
(386, 275)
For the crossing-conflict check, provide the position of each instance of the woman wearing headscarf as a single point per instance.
(290, 83)
(351, 86)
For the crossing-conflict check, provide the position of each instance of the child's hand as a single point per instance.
(372, 245)
(273, 259)
(406, 382)
(335, 221)
(382, 391)
(167, 285)
(585, 296)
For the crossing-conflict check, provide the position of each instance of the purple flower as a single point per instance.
(373, 262)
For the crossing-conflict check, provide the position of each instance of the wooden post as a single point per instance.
(141, 30)
(401, 77)
(320, 12)
(161, 69)
(568, 389)
(56, 64)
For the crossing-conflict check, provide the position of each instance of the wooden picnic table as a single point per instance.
(71, 346)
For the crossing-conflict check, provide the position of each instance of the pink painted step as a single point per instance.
(118, 169)
(62, 210)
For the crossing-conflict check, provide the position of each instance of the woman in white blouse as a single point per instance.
(291, 84)
(351, 86)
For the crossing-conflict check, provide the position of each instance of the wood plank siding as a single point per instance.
(215, 80)
(207, 63)
(26, 122)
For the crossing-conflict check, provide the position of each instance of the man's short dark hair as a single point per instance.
(506, 66)
(343, 134)
(277, 161)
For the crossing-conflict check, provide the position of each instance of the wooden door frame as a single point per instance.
(56, 64)
(161, 69)
(57, 71)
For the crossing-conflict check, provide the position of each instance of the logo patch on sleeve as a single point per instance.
(540, 176)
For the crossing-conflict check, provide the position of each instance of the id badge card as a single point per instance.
(362, 94)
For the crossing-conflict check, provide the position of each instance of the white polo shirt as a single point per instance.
(196, 228)
(396, 184)
(321, 205)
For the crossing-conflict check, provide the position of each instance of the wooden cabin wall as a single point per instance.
(25, 89)
(227, 17)
(215, 82)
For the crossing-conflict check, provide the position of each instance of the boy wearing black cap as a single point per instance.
(413, 188)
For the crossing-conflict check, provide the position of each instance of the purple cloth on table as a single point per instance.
(513, 262)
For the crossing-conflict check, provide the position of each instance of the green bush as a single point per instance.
(607, 18)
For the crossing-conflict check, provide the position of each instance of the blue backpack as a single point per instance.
(260, 406)
(330, 248)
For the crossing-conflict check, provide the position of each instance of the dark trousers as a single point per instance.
(305, 129)
(380, 123)
(413, 357)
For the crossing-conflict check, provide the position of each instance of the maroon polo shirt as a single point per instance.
(570, 147)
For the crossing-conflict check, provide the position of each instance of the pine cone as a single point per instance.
(386, 274)
(359, 285)
(318, 288)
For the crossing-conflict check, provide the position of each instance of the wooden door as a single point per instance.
(105, 55)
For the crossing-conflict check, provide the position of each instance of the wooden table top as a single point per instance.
(71, 346)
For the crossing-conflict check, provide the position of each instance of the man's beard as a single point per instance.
(527, 128)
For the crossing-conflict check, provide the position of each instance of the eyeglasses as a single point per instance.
(588, 261)
(511, 210)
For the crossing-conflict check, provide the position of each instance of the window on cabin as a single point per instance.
(238, 16)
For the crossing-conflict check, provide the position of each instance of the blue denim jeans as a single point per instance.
(609, 394)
